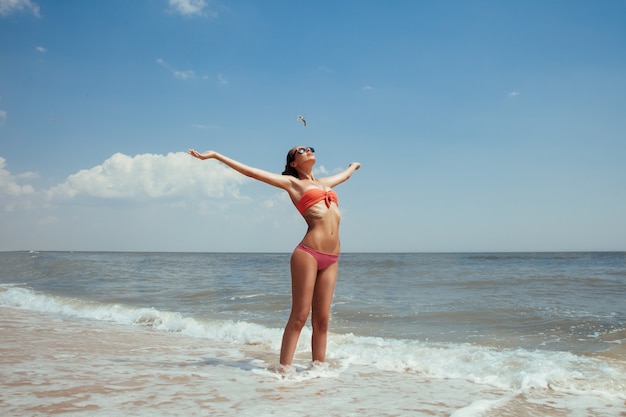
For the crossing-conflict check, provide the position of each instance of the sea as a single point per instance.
(412, 334)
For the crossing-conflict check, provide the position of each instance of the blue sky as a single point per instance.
(480, 125)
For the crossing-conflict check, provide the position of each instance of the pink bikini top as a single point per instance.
(315, 195)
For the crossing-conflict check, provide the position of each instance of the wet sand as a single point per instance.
(53, 365)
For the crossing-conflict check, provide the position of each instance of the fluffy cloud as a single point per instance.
(9, 184)
(9, 6)
(189, 7)
(196, 205)
(149, 176)
(13, 195)
(3, 117)
(175, 177)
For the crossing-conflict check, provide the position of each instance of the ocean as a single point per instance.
(412, 334)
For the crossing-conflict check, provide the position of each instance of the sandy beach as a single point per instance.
(54, 368)
(64, 367)
(59, 367)
(79, 338)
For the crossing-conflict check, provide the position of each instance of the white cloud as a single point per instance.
(320, 171)
(185, 75)
(9, 6)
(27, 176)
(3, 117)
(41, 49)
(9, 183)
(222, 79)
(182, 75)
(514, 94)
(150, 176)
(145, 202)
(190, 7)
(367, 88)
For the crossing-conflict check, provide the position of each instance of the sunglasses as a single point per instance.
(302, 150)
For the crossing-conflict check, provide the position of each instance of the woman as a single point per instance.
(314, 260)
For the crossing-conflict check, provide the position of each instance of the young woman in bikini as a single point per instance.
(314, 260)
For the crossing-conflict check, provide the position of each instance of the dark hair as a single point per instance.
(289, 170)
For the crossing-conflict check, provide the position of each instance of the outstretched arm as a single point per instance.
(277, 180)
(344, 175)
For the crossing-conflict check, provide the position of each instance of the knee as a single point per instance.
(297, 322)
(320, 324)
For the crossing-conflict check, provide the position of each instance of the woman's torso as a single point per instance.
(323, 220)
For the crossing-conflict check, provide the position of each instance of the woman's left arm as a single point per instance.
(344, 175)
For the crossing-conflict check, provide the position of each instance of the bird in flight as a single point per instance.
(302, 120)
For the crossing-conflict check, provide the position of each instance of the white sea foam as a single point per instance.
(509, 370)
(477, 408)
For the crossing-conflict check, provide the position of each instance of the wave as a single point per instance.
(510, 369)
(226, 331)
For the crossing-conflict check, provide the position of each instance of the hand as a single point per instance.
(203, 156)
(357, 165)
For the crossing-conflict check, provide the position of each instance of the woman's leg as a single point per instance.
(322, 301)
(303, 277)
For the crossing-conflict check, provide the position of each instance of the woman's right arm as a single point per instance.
(277, 180)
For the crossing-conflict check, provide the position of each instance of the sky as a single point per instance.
(481, 126)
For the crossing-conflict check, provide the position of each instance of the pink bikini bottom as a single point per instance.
(324, 260)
